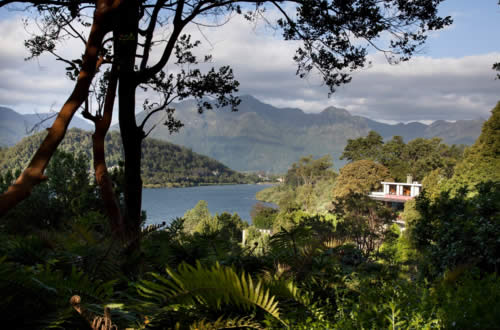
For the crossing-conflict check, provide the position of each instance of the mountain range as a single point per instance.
(15, 126)
(261, 137)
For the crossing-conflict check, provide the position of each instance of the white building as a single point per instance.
(397, 192)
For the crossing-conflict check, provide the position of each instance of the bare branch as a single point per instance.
(179, 24)
(149, 33)
(40, 122)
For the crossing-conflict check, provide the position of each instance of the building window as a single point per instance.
(406, 190)
(393, 189)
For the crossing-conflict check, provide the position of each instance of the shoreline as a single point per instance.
(173, 186)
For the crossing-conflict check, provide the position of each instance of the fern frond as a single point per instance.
(44, 292)
(211, 287)
(222, 323)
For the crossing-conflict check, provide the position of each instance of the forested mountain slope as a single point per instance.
(164, 164)
(262, 137)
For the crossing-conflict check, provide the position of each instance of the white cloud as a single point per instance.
(37, 85)
(423, 89)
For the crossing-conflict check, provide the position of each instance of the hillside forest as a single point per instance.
(164, 164)
(334, 258)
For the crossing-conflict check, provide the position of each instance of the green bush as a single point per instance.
(263, 216)
(460, 230)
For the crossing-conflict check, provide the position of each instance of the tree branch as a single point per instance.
(101, 171)
(149, 33)
(33, 174)
(179, 24)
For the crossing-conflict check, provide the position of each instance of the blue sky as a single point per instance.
(475, 29)
(451, 79)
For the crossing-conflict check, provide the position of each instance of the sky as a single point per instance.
(449, 79)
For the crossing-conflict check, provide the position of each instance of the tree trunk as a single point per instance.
(132, 136)
(101, 171)
(33, 174)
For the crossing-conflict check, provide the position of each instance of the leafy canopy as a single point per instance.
(481, 161)
(418, 157)
(360, 177)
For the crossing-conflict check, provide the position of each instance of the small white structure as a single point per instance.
(262, 231)
(398, 192)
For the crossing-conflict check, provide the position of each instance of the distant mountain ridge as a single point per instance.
(260, 136)
(15, 126)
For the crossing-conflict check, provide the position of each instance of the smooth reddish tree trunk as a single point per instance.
(33, 174)
(105, 183)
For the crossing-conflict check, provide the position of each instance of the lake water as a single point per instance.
(165, 204)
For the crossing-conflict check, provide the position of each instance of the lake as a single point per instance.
(165, 204)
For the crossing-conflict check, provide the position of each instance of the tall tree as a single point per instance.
(418, 157)
(360, 177)
(481, 162)
(364, 221)
(335, 39)
(309, 170)
(368, 147)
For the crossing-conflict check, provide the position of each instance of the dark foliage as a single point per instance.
(164, 164)
(263, 216)
(460, 231)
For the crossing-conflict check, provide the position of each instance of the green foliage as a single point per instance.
(434, 182)
(222, 323)
(465, 299)
(460, 230)
(385, 304)
(410, 213)
(489, 140)
(307, 171)
(263, 216)
(360, 177)
(230, 226)
(37, 297)
(67, 193)
(481, 161)
(389, 249)
(349, 269)
(256, 242)
(308, 188)
(197, 217)
(163, 164)
(213, 288)
(363, 221)
(368, 147)
(418, 157)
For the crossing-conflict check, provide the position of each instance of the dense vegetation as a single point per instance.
(333, 262)
(417, 157)
(371, 160)
(164, 164)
